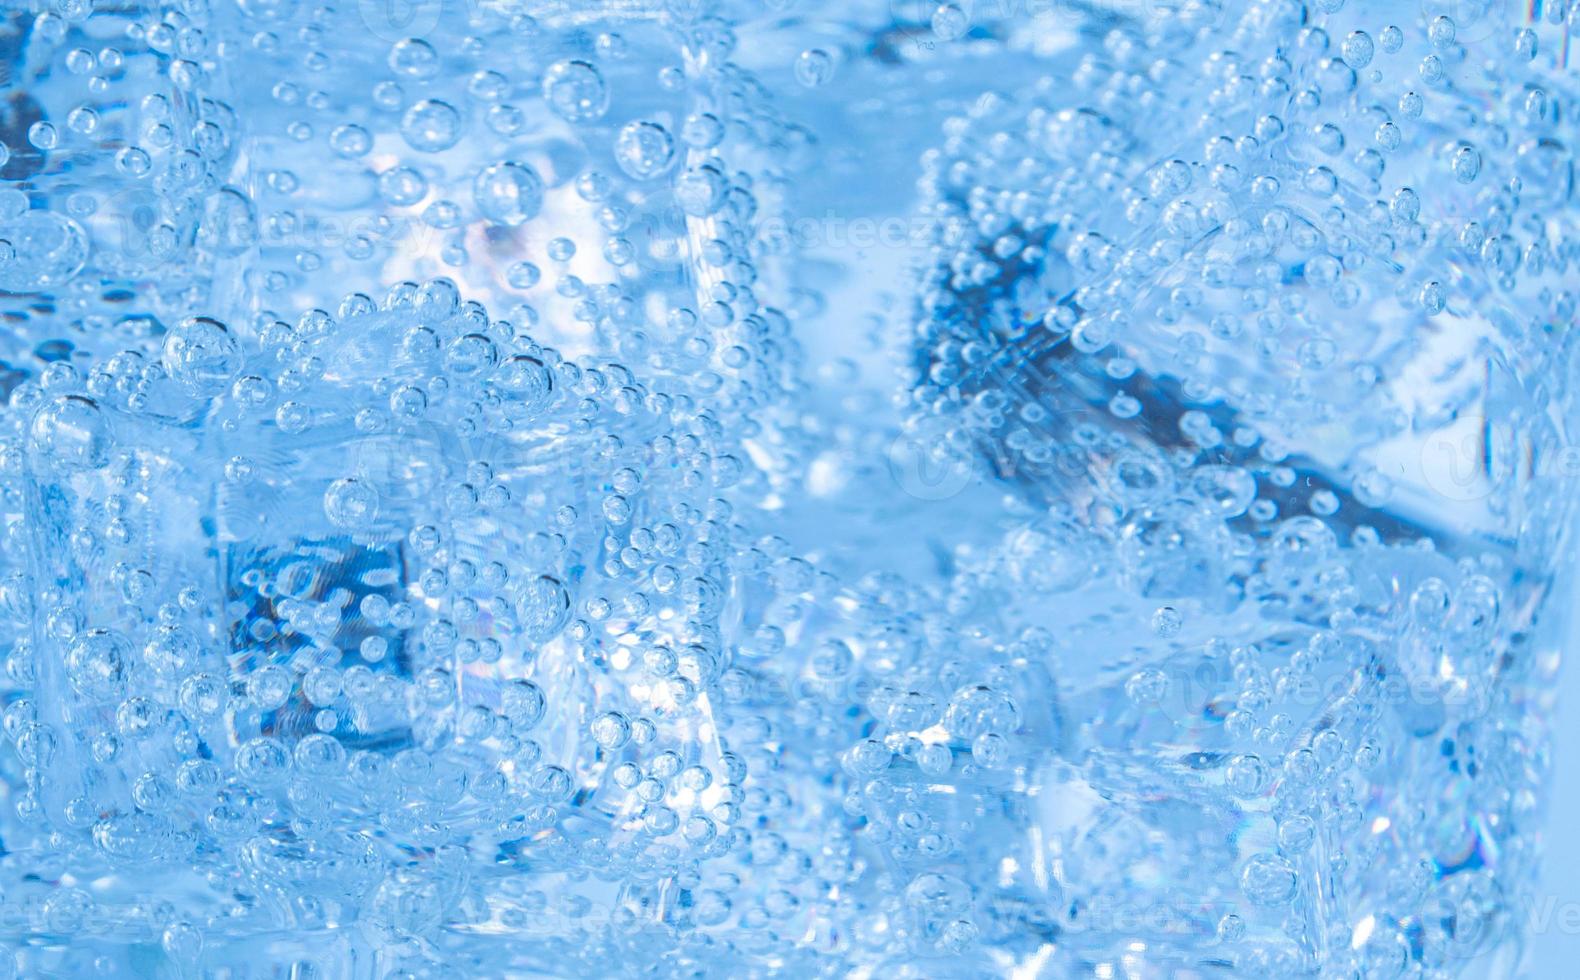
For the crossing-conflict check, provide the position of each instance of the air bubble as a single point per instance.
(949, 22)
(509, 193)
(644, 150)
(202, 356)
(1358, 49)
(431, 126)
(351, 504)
(575, 90)
(72, 433)
(1268, 880)
(813, 67)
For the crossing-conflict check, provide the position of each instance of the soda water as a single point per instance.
(692, 488)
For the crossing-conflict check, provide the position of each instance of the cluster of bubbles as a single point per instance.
(1271, 369)
(396, 448)
(397, 611)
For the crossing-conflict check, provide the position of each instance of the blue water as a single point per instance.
(785, 489)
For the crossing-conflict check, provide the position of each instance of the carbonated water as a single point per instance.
(669, 487)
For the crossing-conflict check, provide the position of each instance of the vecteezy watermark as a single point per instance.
(1475, 21)
(1103, 914)
(931, 22)
(1108, 915)
(1546, 914)
(394, 20)
(1463, 461)
(927, 467)
(138, 225)
(1186, 688)
(1474, 457)
(1465, 925)
(835, 231)
(935, 458)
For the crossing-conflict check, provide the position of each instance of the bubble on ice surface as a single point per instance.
(527, 379)
(575, 90)
(644, 149)
(431, 125)
(97, 662)
(350, 503)
(42, 249)
(1268, 880)
(509, 192)
(71, 432)
(544, 606)
(202, 355)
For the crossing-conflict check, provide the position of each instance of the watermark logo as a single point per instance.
(393, 20)
(927, 467)
(1469, 459)
(929, 462)
(1474, 21)
(934, 22)
(132, 233)
(838, 232)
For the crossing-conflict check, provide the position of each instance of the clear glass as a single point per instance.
(462, 517)
(1258, 312)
